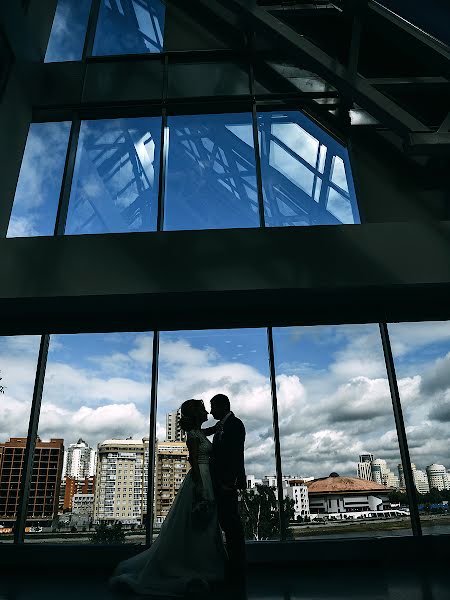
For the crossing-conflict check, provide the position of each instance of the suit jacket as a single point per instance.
(227, 466)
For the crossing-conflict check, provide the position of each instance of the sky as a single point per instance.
(333, 394)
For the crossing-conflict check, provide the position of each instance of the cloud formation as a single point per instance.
(333, 395)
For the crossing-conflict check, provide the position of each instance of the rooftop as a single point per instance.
(334, 483)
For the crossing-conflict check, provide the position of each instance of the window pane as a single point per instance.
(306, 173)
(339, 447)
(68, 31)
(211, 178)
(115, 182)
(129, 27)
(18, 361)
(39, 185)
(200, 364)
(422, 362)
(91, 460)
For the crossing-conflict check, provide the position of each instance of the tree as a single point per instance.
(260, 514)
(108, 534)
(2, 387)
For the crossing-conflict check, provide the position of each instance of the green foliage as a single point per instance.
(108, 534)
(434, 496)
(260, 514)
(2, 387)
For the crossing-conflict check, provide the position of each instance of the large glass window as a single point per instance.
(200, 364)
(422, 362)
(115, 181)
(339, 446)
(68, 31)
(306, 174)
(211, 177)
(129, 27)
(39, 185)
(91, 460)
(18, 360)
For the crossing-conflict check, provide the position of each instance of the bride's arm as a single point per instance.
(210, 430)
(192, 444)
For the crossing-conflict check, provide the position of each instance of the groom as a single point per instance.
(228, 476)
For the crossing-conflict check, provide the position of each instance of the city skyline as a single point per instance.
(333, 394)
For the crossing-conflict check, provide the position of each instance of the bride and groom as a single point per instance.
(189, 550)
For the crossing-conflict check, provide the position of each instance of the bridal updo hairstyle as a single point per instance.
(189, 411)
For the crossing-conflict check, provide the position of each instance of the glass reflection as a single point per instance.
(68, 31)
(201, 364)
(211, 177)
(18, 361)
(115, 182)
(306, 174)
(90, 475)
(339, 447)
(129, 27)
(39, 185)
(422, 363)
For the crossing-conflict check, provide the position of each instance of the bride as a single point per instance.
(190, 545)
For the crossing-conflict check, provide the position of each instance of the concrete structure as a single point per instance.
(45, 482)
(44, 490)
(340, 495)
(121, 481)
(253, 481)
(71, 486)
(80, 460)
(299, 494)
(171, 466)
(420, 479)
(364, 467)
(382, 474)
(437, 477)
(174, 433)
(83, 504)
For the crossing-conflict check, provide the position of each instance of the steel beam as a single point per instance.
(354, 88)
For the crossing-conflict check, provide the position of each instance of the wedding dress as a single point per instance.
(183, 551)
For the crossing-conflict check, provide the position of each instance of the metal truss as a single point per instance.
(401, 103)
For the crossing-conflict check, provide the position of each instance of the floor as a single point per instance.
(356, 581)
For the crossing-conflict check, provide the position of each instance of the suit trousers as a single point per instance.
(230, 522)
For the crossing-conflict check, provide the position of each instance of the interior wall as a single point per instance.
(389, 187)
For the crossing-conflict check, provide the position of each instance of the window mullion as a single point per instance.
(401, 432)
(64, 198)
(91, 28)
(28, 459)
(152, 440)
(276, 431)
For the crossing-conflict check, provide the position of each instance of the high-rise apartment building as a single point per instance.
(170, 469)
(437, 477)
(174, 433)
(383, 475)
(421, 478)
(71, 486)
(45, 479)
(364, 467)
(421, 481)
(80, 460)
(121, 481)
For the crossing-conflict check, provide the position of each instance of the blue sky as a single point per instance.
(333, 393)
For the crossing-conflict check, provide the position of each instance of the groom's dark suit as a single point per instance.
(227, 471)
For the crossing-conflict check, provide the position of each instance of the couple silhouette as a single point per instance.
(189, 554)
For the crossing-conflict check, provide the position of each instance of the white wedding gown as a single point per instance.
(181, 552)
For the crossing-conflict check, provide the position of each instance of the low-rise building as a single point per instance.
(340, 495)
(83, 504)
